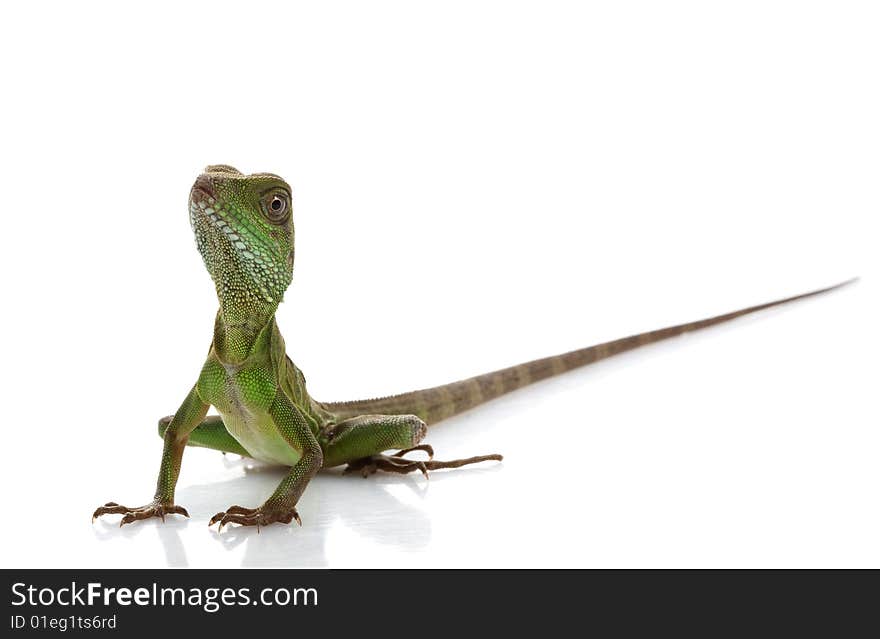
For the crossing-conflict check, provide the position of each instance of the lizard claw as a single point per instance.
(423, 447)
(254, 517)
(129, 515)
(397, 463)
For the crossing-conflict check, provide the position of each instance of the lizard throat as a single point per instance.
(249, 273)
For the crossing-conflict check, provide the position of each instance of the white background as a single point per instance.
(475, 185)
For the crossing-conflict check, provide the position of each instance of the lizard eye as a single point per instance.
(276, 208)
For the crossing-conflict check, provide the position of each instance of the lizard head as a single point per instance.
(244, 231)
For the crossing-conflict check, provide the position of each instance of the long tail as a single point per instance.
(441, 402)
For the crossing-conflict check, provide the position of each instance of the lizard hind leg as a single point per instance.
(360, 442)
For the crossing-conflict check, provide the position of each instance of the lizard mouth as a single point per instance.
(203, 187)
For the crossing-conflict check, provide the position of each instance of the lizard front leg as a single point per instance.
(360, 442)
(210, 433)
(191, 412)
(281, 505)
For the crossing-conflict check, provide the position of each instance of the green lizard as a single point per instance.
(244, 231)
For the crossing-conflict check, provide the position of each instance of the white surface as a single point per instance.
(476, 185)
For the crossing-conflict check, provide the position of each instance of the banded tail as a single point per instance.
(442, 402)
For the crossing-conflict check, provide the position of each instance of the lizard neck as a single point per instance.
(236, 331)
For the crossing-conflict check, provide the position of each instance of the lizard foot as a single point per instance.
(255, 516)
(153, 509)
(397, 463)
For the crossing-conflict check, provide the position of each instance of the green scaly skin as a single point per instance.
(244, 232)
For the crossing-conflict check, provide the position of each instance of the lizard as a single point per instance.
(244, 231)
